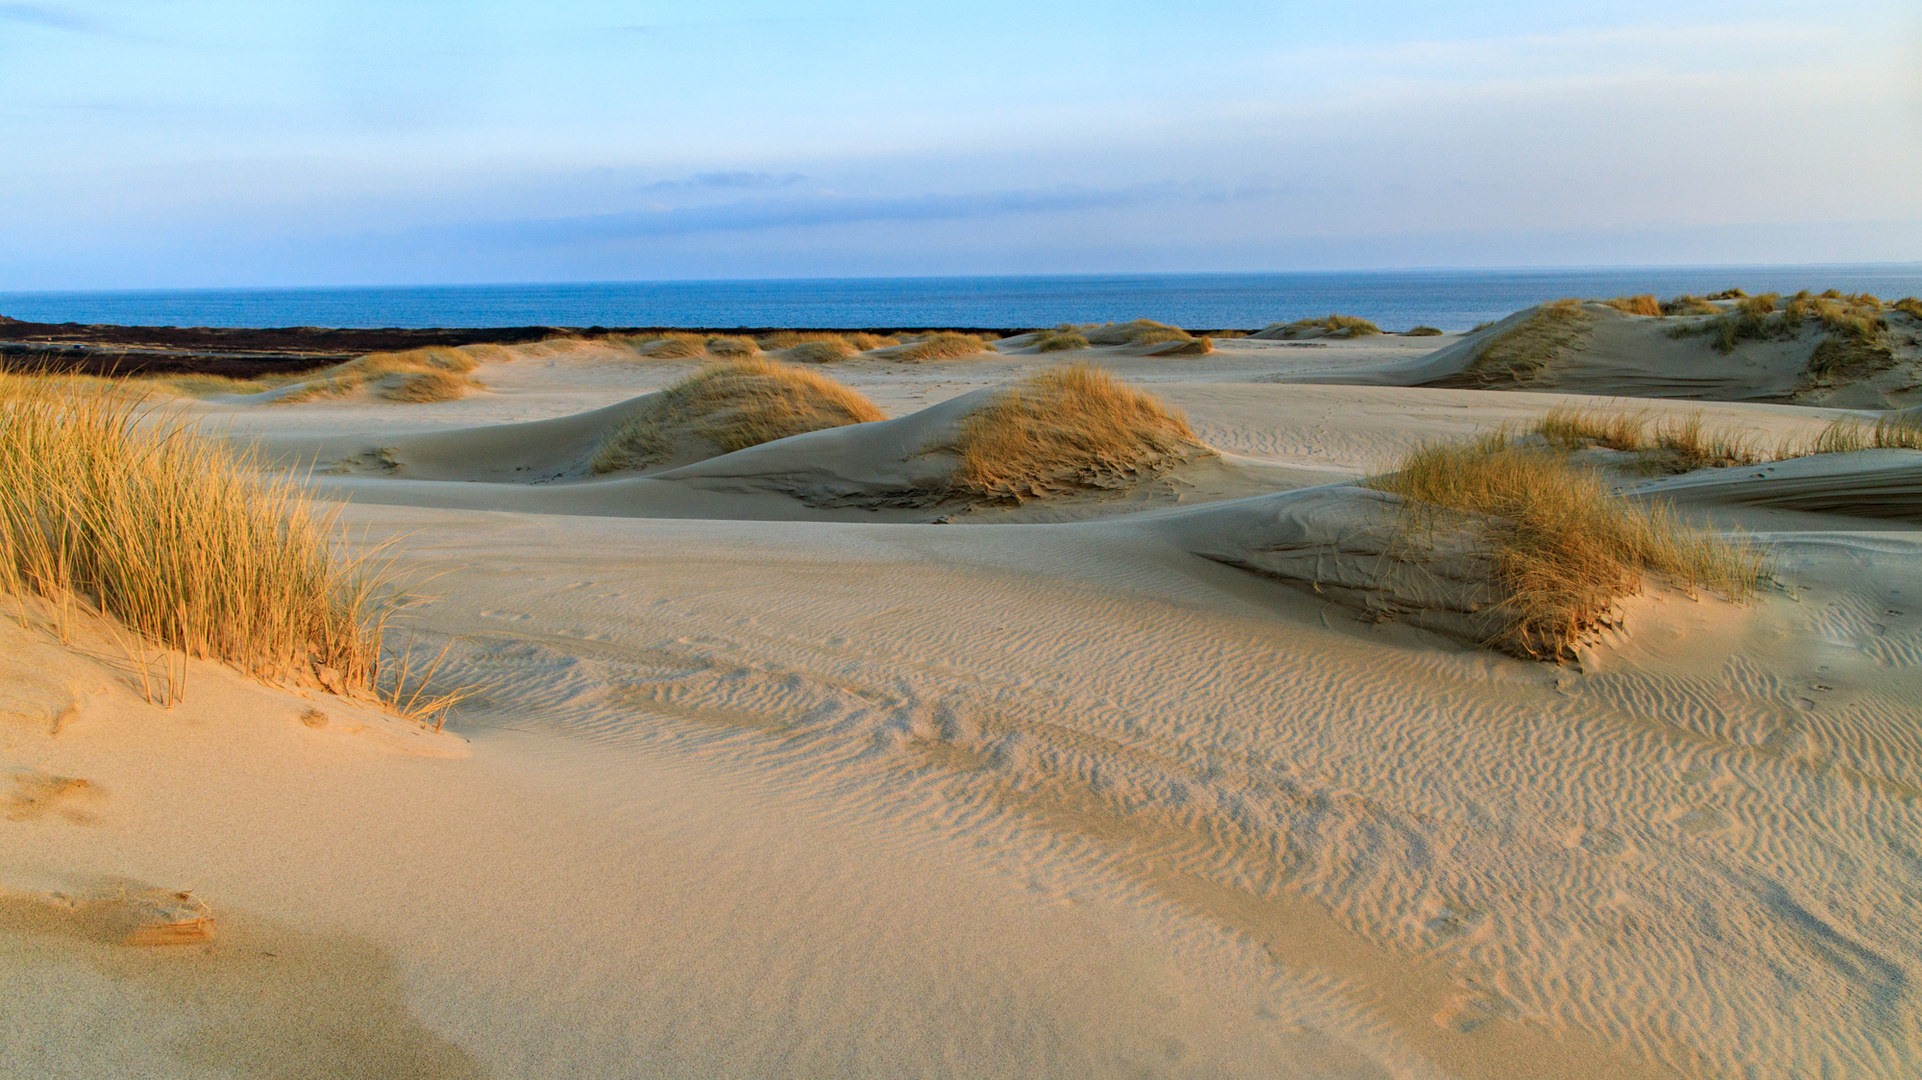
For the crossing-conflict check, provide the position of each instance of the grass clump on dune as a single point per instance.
(728, 345)
(825, 351)
(1563, 548)
(733, 404)
(1525, 350)
(1689, 305)
(1136, 332)
(1678, 445)
(1909, 306)
(1854, 328)
(1331, 325)
(1672, 445)
(1069, 426)
(941, 346)
(1887, 433)
(434, 373)
(673, 345)
(817, 347)
(1422, 331)
(178, 539)
(1062, 339)
(1645, 304)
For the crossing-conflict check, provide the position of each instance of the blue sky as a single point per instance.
(155, 143)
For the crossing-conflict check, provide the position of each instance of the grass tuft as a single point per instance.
(434, 373)
(421, 387)
(942, 346)
(1909, 306)
(1645, 304)
(1672, 445)
(733, 404)
(1421, 331)
(1525, 350)
(106, 504)
(825, 351)
(1564, 548)
(1135, 332)
(1689, 305)
(726, 345)
(1684, 444)
(1060, 341)
(1848, 435)
(1069, 426)
(1331, 325)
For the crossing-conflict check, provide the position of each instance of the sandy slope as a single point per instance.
(868, 798)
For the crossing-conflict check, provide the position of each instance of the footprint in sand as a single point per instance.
(33, 795)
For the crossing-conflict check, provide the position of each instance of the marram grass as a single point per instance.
(1071, 425)
(1565, 548)
(734, 404)
(109, 505)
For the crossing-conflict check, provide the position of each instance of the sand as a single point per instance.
(755, 787)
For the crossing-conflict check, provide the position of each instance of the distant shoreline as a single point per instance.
(1393, 300)
(246, 352)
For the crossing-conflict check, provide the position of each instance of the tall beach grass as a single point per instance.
(1565, 549)
(1072, 425)
(111, 507)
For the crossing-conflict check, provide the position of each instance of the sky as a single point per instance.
(209, 143)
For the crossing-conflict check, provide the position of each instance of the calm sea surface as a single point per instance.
(1450, 300)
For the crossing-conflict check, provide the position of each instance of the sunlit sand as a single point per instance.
(843, 754)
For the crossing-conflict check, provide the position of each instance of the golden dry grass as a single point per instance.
(1060, 341)
(868, 342)
(1564, 548)
(1689, 305)
(118, 510)
(1186, 346)
(1683, 444)
(1854, 330)
(425, 386)
(1332, 325)
(1421, 331)
(674, 347)
(1068, 426)
(1848, 435)
(1670, 445)
(728, 345)
(1525, 350)
(1909, 306)
(943, 346)
(434, 373)
(733, 404)
(1138, 332)
(1645, 304)
(787, 339)
(825, 351)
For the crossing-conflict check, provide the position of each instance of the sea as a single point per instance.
(1394, 299)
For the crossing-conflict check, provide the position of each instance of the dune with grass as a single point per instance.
(1137, 337)
(1257, 712)
(1812, 349)
(1329, 326)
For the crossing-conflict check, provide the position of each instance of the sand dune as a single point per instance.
(1195, 775)
(1867, 484)
(1608, 352)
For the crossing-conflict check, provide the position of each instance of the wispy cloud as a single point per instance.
(49, 15)
(727, 180)
(760, 214)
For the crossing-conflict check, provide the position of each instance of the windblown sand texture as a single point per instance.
(1063, 710)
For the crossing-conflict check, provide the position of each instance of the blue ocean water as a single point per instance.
(1448, 299)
